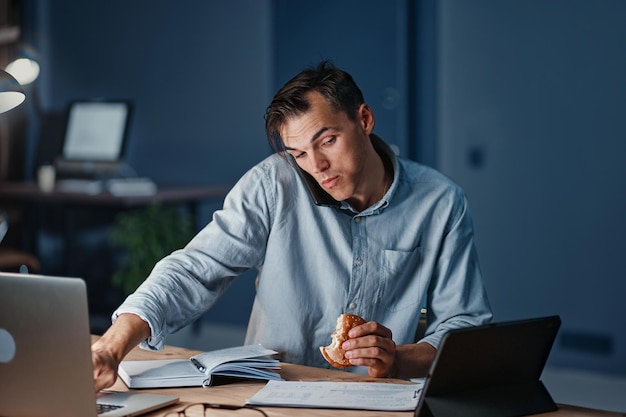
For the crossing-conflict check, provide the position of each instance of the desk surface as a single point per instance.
(30, 192)
(237, 393)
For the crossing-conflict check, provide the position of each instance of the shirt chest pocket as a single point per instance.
(402, 283)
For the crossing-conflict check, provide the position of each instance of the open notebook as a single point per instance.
(45, 354)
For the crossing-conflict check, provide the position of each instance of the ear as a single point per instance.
(365, 117)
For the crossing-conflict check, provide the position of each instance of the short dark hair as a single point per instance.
(334, 84)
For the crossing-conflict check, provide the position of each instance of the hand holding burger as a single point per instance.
(334, 353)
(361, 343)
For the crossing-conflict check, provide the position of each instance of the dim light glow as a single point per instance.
(24, 70)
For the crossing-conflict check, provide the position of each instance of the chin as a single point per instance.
(338, 193)
(339, 196)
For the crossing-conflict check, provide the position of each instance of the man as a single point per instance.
(383, 237)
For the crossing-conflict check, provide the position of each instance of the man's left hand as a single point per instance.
(371, 345)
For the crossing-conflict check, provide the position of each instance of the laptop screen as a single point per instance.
(96, 130)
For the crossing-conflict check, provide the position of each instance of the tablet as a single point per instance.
(491, 370)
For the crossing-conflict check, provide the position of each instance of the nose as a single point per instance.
(319, 162)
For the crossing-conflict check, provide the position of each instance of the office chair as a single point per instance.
(13, 260)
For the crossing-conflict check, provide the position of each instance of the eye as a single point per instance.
(299, 155)
(330, 140)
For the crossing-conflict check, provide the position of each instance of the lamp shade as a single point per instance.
(11, 93)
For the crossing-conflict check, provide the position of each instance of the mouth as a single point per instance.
(329, 182)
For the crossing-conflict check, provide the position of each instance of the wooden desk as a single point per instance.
(29, 192)
(237, 393)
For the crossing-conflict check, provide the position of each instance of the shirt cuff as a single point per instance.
(433, 339)
(156, 340)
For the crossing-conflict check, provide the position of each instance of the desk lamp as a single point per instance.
(11, 93)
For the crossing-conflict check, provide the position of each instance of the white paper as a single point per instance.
(381, 396)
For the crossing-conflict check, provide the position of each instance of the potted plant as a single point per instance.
(144, 236)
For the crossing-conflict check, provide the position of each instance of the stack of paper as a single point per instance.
(380, 396)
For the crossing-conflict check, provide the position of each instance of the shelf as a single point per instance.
(9, 34)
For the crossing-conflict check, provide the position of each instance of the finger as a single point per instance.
(373, 353)
(371, 327)
(369, 341)
(377, 353)
(372, 357)
(104, 372)
(103, 381)
(380, 363)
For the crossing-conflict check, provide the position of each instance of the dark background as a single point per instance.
(520, 101)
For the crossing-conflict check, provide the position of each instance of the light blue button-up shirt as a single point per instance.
(413, 248)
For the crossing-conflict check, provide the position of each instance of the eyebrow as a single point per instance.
(314, 137)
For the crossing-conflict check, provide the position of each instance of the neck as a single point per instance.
(386, 177)
(378, 181)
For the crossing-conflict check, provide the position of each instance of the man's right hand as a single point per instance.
(104, 368)
(127, 331)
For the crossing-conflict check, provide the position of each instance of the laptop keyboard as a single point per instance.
(105, 408)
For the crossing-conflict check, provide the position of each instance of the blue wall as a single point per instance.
(531, 124)
(368, 38)
(198, 73)
(522, 98)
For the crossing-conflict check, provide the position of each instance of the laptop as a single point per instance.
(491, 371)
(94, 141)
(45, 353)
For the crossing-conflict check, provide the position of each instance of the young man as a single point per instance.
(334, 223)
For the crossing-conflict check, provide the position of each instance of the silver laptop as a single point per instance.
(45, 355)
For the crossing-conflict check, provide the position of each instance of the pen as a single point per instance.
(198, 365)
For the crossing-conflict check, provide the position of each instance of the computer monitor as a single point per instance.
(96, 130)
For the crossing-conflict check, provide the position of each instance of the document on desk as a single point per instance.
(378, 396)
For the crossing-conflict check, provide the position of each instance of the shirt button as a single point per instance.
(357, 220)
(352, 306)
(358, 262)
